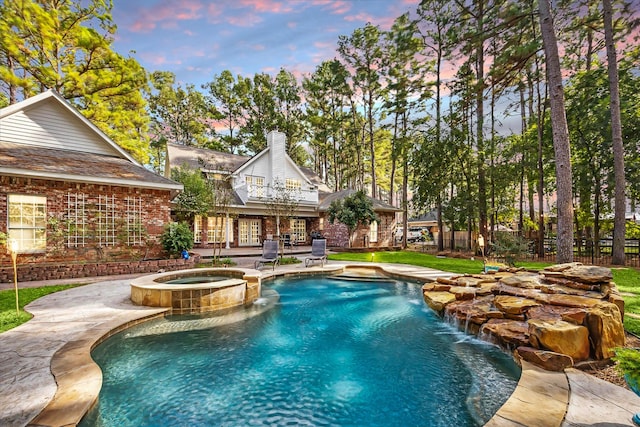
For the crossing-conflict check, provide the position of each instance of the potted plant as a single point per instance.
(628, 364)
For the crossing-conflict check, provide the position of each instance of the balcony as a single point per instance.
(257, 193)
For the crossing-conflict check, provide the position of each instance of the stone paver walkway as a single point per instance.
(67, 324)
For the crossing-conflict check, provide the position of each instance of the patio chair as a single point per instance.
(318, 252)
(269, 254)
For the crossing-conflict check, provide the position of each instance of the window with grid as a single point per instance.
(255, 185)
(292, 184)
(76, 220)
(197, 229)
(299, 229)
(135, 230)
(27, 222)
(106, 219)
(373, 232)
(217, 229)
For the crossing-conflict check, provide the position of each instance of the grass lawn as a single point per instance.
(8, 317)
(627, 279)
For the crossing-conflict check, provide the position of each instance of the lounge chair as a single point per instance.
(318, 252)
(269, 254)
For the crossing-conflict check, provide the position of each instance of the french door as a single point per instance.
(250, 231)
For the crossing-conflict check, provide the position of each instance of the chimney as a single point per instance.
(277, 143)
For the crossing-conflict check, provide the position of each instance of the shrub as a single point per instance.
(177, 236)
(628, 363)
(510, 247)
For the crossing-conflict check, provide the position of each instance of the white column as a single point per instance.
(226, 232)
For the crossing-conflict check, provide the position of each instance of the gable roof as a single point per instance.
(378, 205)
(45, 137)
(48, 120)
(179, 155)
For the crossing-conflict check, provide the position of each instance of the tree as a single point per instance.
(616, 132)
(220, 202)
(352, 211)
(196, 198)
(179, 115)
(560, 135)
(326, 94)
(65, 45)
(281, 202)
(363, 52)
(224, 101)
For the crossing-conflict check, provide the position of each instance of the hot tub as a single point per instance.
(197, 290)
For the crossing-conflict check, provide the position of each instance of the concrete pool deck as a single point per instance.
(47, 377)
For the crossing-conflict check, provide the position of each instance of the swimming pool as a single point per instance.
(331, 352)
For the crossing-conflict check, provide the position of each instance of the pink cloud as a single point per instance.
(360, 17)
(248, 20)
(269, 6)
(258, 47)
(166, 14)
(154, 59)
(336, 7)
(292, 24)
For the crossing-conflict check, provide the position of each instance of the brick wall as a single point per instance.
(33, 272)
(155, 213)
(337, 234)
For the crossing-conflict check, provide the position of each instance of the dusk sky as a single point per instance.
(196, 39)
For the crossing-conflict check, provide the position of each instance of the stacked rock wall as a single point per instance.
(564, 314)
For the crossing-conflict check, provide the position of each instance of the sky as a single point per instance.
(197, 39)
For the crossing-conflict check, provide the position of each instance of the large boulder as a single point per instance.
(606, 329)
(549, 360)
(514, 305)
(438, 300)
(507, 333)
(588, 274)
(560, 337)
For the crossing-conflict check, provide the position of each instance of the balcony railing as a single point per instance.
(266, 192)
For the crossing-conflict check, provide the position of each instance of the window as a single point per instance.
(197, 229)
(28, 222)
(217, 229)
(299, 229)
(106, 220)
(292, 184)
(76, 220)
(373, 232)
(255, 185)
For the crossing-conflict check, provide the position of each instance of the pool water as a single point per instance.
(332, 352)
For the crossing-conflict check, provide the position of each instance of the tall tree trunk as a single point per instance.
(616, 137)
(482, 186)
(523, 163)
(560, 131)
(372, 149)
(440, 223)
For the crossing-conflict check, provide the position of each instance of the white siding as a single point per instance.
(50, 125)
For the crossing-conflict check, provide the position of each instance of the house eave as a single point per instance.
(89, 180)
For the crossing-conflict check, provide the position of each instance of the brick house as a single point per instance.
(253, 181)
(68, 193)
